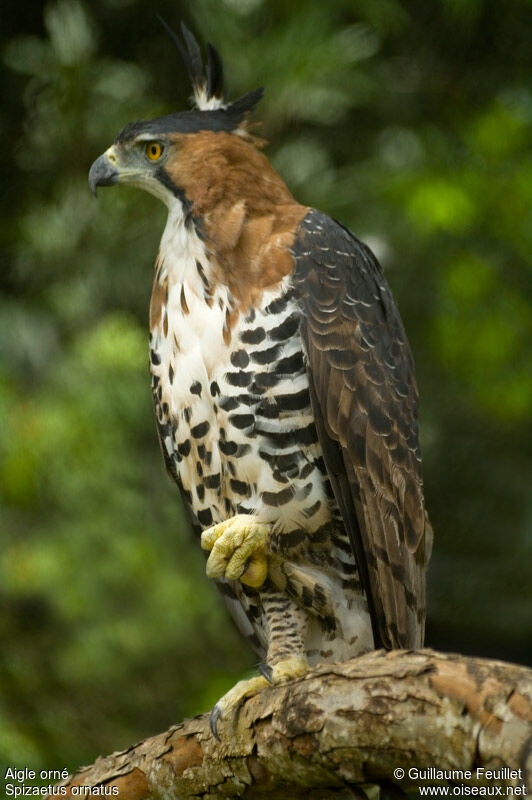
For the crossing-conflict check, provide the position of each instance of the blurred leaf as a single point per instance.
(441, 205)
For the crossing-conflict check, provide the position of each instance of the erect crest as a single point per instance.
(208, 83)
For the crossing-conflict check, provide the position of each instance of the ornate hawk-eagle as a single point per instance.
(284, 393)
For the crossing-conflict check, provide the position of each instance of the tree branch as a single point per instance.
(340, 726)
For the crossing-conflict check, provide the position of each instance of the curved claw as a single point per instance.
(266, 671)
(228, 705)
(213, 721)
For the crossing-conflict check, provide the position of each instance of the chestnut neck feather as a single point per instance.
(247, 216)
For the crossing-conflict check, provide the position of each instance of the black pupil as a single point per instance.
(154, 149)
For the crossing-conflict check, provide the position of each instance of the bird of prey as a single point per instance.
(284, 392)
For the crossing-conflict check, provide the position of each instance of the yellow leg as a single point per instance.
(289, 669)
(238, 550)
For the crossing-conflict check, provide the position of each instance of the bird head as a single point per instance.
(153, 154)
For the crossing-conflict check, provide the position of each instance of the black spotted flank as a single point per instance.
(229, 403)
(171, 374)
(307, 469)
(205, 516)
(240, 359)
(292, 539)
(284, 462)
(283, 439)
(268, 410)
(228, 448)
(184, 448)
(266, 356)
(239, 487)
(200, 430)
(304, 493)
(278, 498)
(155, 358)
(309, 512)
(247, 399)
(239, 378)
(299, 401)
(286, 329)
(215, 389)
(290, 365)
(307, 435)
(279, 305)
(264, 380)
(242, 421)
(280, 477)
(253, 336)
(212, 481)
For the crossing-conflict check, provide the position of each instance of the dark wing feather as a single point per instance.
(364, 399)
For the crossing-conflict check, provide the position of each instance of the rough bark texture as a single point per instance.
(338, 728)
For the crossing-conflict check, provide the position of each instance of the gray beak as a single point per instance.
(102, 173)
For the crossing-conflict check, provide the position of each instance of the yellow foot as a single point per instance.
(290, 668)
(238, 550)
(286, 670)
(233, 698)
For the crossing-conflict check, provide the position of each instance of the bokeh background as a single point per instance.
(408, 121)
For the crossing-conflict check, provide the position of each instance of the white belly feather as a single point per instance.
(230, 455)
(194, 351)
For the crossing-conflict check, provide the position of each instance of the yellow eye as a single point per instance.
(154, 151)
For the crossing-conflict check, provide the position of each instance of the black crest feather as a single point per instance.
(215, 72)
(208, 83)
(212, 112)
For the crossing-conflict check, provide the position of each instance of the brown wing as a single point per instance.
(364, 398)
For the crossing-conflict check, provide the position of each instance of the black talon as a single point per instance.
(266, 672)
(244, 568)
(213, 721)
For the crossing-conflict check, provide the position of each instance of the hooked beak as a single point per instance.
(104, 171)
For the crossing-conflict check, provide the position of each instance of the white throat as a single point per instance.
(181, 250)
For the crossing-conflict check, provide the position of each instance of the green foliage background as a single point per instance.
(410, 123)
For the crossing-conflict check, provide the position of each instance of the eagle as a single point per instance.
(284, 392)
